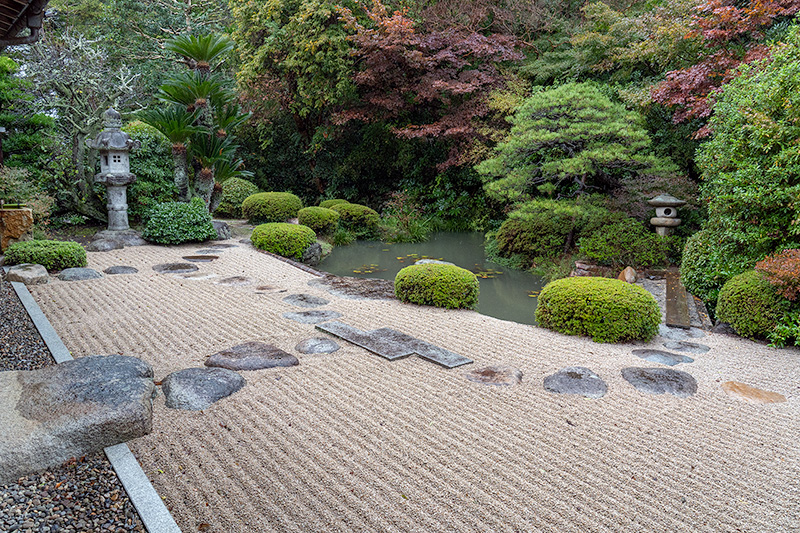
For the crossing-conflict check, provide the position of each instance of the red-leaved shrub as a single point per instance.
(783, 272)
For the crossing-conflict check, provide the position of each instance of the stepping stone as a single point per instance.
(245, 241)
(312, 317)
(576, 380)
(317, 345)
(251, 356)
(392, 344)
(723, 328)
(27, 273)
(198, 275)
(174, 268)
(677, 301)
(121, 270)
(660, 381)
(751, 394)
(104, 245)
(680, 334)
(661, 357)
(261, 289)
(204, 251)
(223, 245)
(199, 258)
(235, 281)
(79, 274)
(684, 346)
(496, 375)
(194, 389)
(306, 300)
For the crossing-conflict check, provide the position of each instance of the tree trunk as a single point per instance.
(204, 184)
(181, 174)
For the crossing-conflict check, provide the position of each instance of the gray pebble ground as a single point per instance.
(83, 495)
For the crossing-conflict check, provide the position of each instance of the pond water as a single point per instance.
(505, 293)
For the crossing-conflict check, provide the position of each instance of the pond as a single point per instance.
(505, 293)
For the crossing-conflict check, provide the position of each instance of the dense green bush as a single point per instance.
(608, 310)
(177, 222)
(53, 255)
(336, 201)
(625, 243)
(152, 164)
(549, 228)
(748, 303)
(234, 192)
(358, 219)
(439, 285)
(322, 220)
(284, 239)
(708, 262)
(271, 207)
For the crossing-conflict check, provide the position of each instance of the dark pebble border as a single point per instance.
(84, 495)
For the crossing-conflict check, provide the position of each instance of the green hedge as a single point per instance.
(708, 262)
(608, 310)
(53, 255)
(234, 192)
(625, 243)
(749, 303)
(281, 238)
(271, 207)
(322, 220)
(330, 203)
(177, 222)
(154, 168)
(358, 219)
(445, 286)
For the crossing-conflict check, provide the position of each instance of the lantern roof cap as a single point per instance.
(112, 138)
(666, 200)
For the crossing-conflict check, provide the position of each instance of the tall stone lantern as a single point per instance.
(114, 146)
(666, 219)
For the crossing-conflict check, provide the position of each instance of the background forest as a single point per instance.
(546, 124)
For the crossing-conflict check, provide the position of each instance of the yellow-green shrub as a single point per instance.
(271, 207)
(439, 285)
(287, 240)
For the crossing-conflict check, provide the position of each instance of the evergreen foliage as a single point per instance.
(438, 285)
(281, 238)
(53, 255)
(358, 219)
(153, 168)
(178, 222)
(234, 192)
(271, 207)
(625, 243)
(321, 219)
(748, 303)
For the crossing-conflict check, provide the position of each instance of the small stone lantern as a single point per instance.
(666, 218)
(114, 146)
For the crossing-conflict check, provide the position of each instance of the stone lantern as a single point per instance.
(666, 218)
(114, 146)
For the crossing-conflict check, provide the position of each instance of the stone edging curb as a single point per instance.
(145, 499)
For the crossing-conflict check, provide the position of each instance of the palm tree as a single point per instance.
(228, 117)
(209, 150)
(200, 52)
(177, 125)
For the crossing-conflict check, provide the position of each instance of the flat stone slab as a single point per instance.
(202, 258)
(661, 381)
(121, 270)
(198, 275)
(317, 345)
(576, 380)
(252, 356)
(79, 274)
(305, 300)
(223, 245)
(751, 394)
(680, 334)
(235, 281)
(312, 317)
(126, 237)
(392, 344)
(175, 268)
(72, 409)
(504, 376)
(204, 251)
(104, 245)
(28, 273)
(685, 346)
(661, 357)
(194, 389)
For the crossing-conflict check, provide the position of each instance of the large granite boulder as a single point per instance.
(50, 415)
(195, 389)
(15, 226)
(79, 274)
(27, 273)
(222, 229)
(312, 255)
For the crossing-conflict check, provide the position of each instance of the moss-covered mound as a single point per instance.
(329, 203)
(445, 286)
(177, 222)
(53, 255)
(749, 303)
(358, 219)
(281, 238)
(322, 220)
(271, 207)
(234, 192)
(607, 310)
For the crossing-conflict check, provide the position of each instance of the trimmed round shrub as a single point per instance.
(330, 203)
(358, 219)
(284, 239)
(234, 192)
(439, 285)
(708, 262)
(177, 222)
(53, 255)
(625, 243)
(322, 220)
(748, 303)
(271, 207)
(607, 310)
